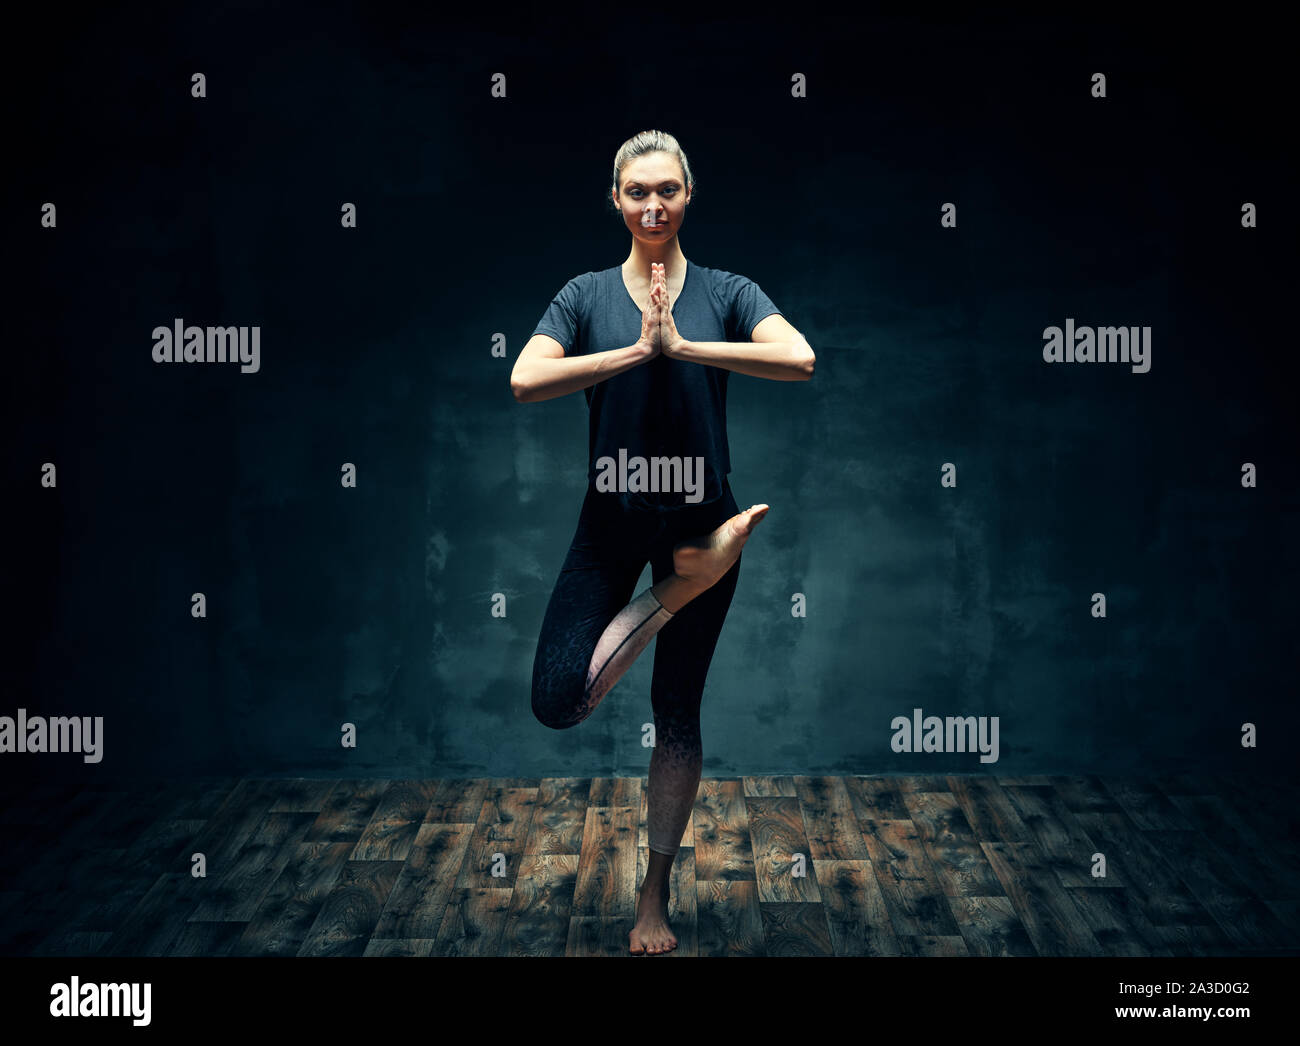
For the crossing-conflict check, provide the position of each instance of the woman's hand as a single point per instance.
(649, 339)
(669, 339)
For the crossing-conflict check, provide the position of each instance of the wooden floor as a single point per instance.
(1196, 865)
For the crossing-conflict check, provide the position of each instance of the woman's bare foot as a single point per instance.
(652, 935)
(699, 563)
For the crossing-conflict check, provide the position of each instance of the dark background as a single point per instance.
(372, 605)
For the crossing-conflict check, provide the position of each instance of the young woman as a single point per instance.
(651, 343)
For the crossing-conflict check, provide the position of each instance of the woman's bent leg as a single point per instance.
(593, 629)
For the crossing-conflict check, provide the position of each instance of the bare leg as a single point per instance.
(652, 935)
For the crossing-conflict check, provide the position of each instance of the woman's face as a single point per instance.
(653, 190)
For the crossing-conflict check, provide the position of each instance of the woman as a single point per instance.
(651, 344)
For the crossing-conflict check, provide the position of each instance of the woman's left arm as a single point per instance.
(778, 351)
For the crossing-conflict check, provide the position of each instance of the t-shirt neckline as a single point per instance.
(627, 294)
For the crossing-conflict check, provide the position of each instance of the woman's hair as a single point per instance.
(648, 142)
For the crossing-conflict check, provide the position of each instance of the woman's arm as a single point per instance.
(543, 372)
(778, 351)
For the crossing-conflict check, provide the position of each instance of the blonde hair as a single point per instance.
(641, 144)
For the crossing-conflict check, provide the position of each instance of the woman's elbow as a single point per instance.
(808, 362)
(519, 388)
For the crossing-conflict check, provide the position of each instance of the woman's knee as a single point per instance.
(560, 708)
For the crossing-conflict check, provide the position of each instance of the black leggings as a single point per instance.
(608, 552)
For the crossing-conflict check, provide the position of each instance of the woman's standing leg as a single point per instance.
(682, 658)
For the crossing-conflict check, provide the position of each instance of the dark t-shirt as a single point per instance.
(666, 408)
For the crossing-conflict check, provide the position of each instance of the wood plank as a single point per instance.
(405, 947)
(164, 845)
(116, 879)
(907, 783)
(794, 928)
(1288, 914)
(295, 899)
(921, 945)
(418, 901)
(776, 832)
(541, 904)
(1085, 795)
(1116, 920)
(559, 816)
(950, 844)
(729, 919)
(213, 939)
(157, 919)
(1044, 907)
(875, 799)
(615, 791)
(856, 912)
(347, 810)
(913, 894)
(350, 913)
(161, 914)
(989, 811)
(302, 795)
(606, 875)
(1266, 803)
(236, 895)
(593, 936)
(1196, 940)
(767, 787)
(1163, 898)
(458, 801)
(392, 828)
(72, 943)
(1253, 855)
(989, 925)
(1146, 805)
(84, 823)
(722, 847)
(1052, 827)
(1231, 901)
(502, 828)
(834, 833)
(475, 922)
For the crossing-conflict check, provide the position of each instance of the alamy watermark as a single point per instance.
(1098, 345)
(56, 734)
(640, 475)
(181, 344)
(74, 999)
(949, 734)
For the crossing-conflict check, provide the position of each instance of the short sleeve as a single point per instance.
(561, 318)
(749, 305)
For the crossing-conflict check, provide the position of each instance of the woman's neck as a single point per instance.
(637, 265)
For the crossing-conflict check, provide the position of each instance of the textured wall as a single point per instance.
(372, 605)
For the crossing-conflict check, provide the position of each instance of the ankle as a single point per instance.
(657, 887)
(675, 591)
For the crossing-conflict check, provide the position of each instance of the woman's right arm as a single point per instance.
(543, 372)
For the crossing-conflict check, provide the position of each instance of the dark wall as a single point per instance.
(372, 605)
